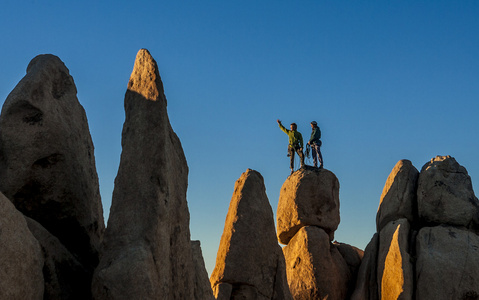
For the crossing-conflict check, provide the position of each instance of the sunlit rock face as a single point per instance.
(21, 257)
(146, 251)
(47, 164)
(431, 253)
(395, 272)
(307, 216)
(308, 198)
(399, 199)
(249, 263)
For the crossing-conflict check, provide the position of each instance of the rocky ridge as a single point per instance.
(54, 244)
(427, 243)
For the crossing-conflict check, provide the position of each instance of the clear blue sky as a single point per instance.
(386, 80)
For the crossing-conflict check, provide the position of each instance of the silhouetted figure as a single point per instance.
(315, 143)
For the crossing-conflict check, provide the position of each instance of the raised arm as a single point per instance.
(282, 127)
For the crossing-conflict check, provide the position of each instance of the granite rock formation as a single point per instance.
(307, 216)
(47, 166)
(431, 252)
(308, 198)
(146, 252)
(249, 264)
(21, 258)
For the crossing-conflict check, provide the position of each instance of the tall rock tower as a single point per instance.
(47, 165)
(147, 250)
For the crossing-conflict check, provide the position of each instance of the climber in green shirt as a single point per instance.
(295, 143)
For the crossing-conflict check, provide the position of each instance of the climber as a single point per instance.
(315, 143)
(295, 144)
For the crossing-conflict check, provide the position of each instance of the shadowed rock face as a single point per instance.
(202, 290)
(448, 263)
(65, 277)
(249, 264)
(47, 166)
(21, 257)
(445, 194)
(399, 197)
(146, 250)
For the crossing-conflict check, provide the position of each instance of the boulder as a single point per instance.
(202, 283)
(353, 257)
(445, 194)
(399, 197)
(47, 165)
(21, 258)
(308, 198)
(395, 276)
(447, 264)
(64, 276)
(315, 269)
(249, 263)
(146, 251)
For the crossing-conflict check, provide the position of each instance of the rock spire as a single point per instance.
(147, 252)
(47, 164)
(249, 264)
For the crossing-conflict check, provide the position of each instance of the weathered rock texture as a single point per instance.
(308, 198)
(307, 216)
(249, 264)
(315, 268)
(431, 252)
(445, 194)
(147, 250)
(47, 166)
(448, 263)
(21, 258)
